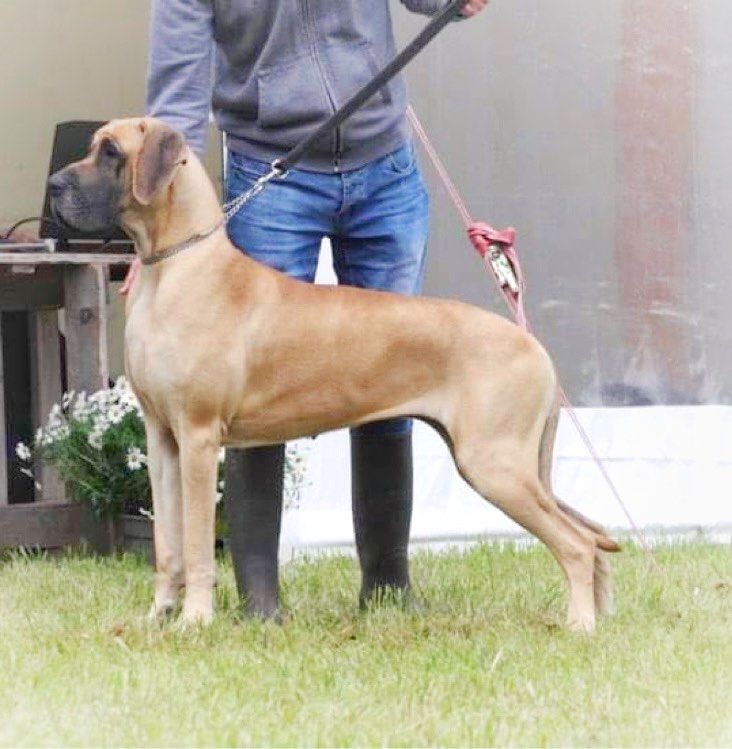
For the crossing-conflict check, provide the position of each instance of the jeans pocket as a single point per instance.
(243, 171)
(402, 161)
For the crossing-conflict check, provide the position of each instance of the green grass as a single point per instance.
(483, 661)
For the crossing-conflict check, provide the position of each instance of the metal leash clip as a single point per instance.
(234, 206)
(502, 268)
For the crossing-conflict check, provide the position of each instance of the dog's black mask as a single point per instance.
(87, 196)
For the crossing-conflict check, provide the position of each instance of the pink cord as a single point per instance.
(482, 236)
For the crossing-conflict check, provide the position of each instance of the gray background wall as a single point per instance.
(61, 59)
(599, 130)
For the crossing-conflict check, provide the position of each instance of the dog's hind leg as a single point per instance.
(603, 588)
(199, 449)
(164, 472)
(506, 475)
(603, 583)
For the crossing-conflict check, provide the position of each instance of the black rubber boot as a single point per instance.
(381, 470)
(254, 480)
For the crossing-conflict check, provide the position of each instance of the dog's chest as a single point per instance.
(145, 353)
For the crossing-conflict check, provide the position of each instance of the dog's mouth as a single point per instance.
(60, 219)
(72, 214)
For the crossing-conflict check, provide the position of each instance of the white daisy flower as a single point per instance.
(136, 459)
(63, 432)
(101, 423)
(115, 414)
(23, 452)
(56, 417)
(80, 409)
(95, 439)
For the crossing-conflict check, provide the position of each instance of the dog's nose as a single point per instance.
(57, 183)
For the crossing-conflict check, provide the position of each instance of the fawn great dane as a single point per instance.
(221, 350)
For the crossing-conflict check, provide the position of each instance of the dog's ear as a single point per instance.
(162, 151)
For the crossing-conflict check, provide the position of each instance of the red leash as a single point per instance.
(497, 248)
(494, 246)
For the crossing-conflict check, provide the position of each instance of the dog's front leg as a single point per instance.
(164, 471)
(199, 448)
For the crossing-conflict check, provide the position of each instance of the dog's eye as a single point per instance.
(109, 149)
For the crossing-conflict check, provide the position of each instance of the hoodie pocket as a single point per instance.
(349, 66)
(291, 95)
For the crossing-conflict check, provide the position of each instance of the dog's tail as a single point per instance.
(546, 458)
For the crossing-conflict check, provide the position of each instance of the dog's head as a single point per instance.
(129, 167)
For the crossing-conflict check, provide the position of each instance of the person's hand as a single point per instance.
(131, 277)
(473, 7)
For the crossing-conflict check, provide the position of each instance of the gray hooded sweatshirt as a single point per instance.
(275, 69)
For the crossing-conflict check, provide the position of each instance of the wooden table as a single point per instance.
(37, 280)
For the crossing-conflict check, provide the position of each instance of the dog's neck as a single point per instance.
(188, 206)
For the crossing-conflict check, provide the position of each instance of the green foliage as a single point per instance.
(97, 445)
(100, 477)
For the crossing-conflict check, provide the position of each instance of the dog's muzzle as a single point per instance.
(89, 205)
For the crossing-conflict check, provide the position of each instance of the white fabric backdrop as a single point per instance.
(672, 466)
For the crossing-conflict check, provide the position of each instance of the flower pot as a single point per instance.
(132, 533)
(129, 532)
(135, 533)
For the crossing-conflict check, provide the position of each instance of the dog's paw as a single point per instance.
(195, 616)
(585, 625)
(159, 612)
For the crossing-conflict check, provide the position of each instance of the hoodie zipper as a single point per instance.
(310, 31)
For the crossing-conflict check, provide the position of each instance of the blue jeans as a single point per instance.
(376, 217)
